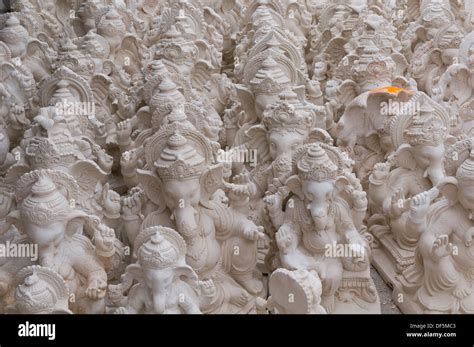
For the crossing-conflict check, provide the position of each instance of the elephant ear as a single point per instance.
(15, 171)
(435, 57)
(36, 54)
(151, 184)
(202, 70)
(460, 85)
(355, 121)
(136, 271)
(347, 91)
(256, 138)
(400, 63)
(100, 85)
(247, 101)
(211, 181)
(187, 274)
(129, 55)
(294, 184)
(448, 187)
(341, 183)
(421, 34)
(404, 157)
(87, 174)
(372, 142)
(144, 117)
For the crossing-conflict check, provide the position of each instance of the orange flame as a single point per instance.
(391, 90)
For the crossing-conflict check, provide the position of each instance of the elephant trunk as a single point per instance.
(186, 221)
(435, 173)
(319, 214)
(159, 302)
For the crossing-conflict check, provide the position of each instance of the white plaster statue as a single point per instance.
(223, 156)
(165, 284)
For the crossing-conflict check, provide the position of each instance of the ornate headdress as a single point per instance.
(159, 247)
(157, 68)
(167, 93)
(175, 48)
(269, 79)
(39, 197)
(373, 69)
(178, 151)
(111, 23)
(41, 290)
(263, 17)
(62, 93)
(437, 14)
(316, 164)
(179, 160)
(45, 204)
(426, 129)
(177, 114)
(13, 32)
(289, 113)
(77, 60)
(95, 45)
(449, 37)
(426, 123)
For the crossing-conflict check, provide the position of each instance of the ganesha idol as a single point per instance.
(164, 282)
(433, 58)
(49, 220)
(60, 135)
(421, 140)
(441, 279)
(263, 89)
(58, 139)
(181, 179)
(286, 125)
(317, 221)
(40, 290)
